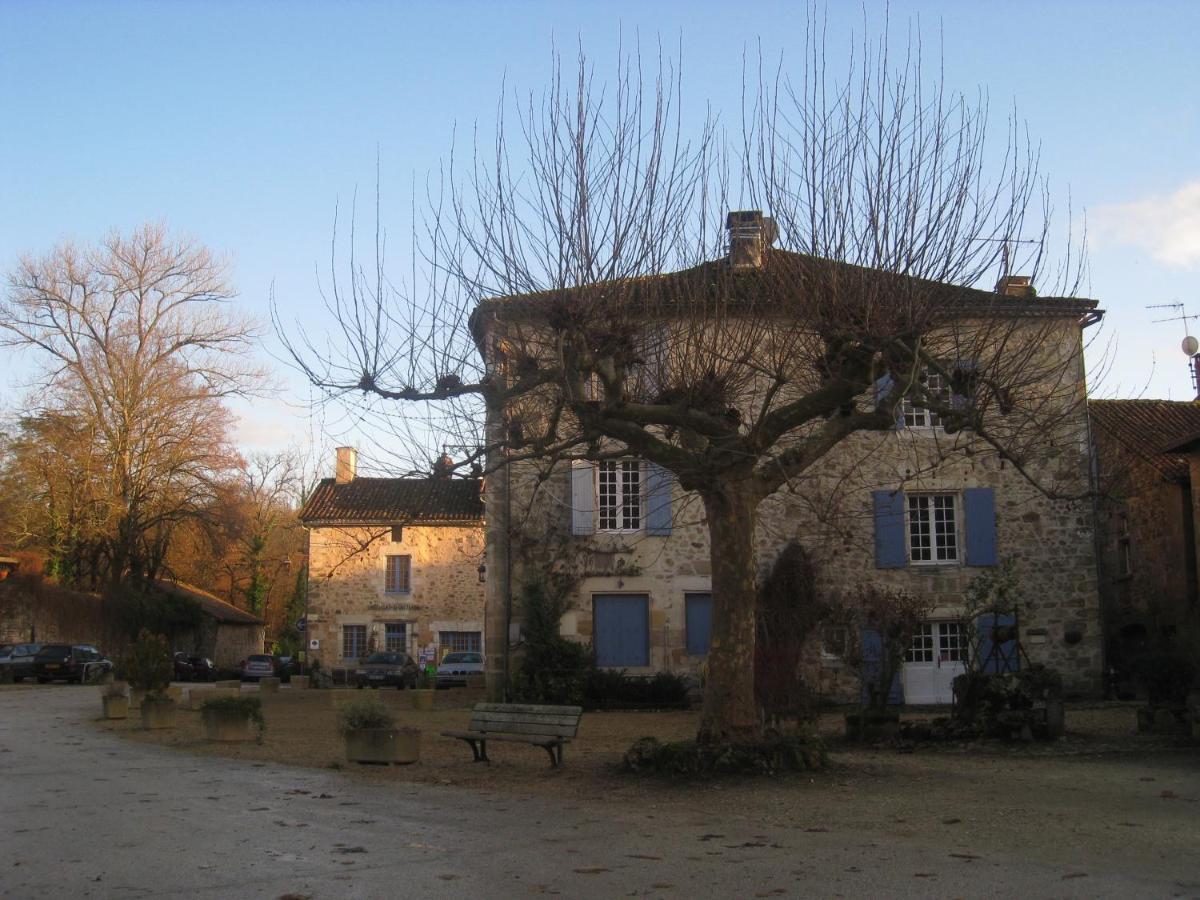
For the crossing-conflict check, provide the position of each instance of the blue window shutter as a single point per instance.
(658, 500)
(883, 384)
(979, 512)
(872, 654)
(583, 498)
(1005, 657)
(698, 613)
(891, 550)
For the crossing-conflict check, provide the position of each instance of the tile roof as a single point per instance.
(1153, 429)
(211, 605)
(395, 501)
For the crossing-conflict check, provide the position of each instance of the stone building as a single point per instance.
(394, 564)
(917, 507)
(1148, 460)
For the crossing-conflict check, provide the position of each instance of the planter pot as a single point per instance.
(116, 706)
(381, 746)
(1056, 720)
(227, 725)
(299, 682)
(158, 712)
(268, 685)
(197, 695)
(869, 726)
(422, 698)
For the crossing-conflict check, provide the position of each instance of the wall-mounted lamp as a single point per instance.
(482, 572)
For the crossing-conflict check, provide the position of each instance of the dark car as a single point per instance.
(17, 660)
(70, 662)
(194, 668)
(380, 669)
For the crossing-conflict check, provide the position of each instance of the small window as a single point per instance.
(951, 643)
(921, 650)
(399, 575)
(619, 495)
(354, 641)
(833, 641)
(394, 637)
(918, 416)
(932, 528)
(397, 534)
(1124, 548)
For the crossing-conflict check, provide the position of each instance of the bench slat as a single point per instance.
(529, 708)
(525, 728)
(551, 721)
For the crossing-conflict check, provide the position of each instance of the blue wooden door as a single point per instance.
(698, 615)
(621, 630)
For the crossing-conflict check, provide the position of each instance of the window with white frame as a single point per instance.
(619, 495)
(932, 528)
(919, 417)
(921, 650)
(460, 642)
(354, 641)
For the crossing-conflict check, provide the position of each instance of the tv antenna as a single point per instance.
(1189, 345)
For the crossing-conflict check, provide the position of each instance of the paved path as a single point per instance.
(88, 815)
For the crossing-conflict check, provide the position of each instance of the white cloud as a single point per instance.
(1167, 225)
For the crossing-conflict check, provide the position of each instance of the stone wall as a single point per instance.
(346, 585)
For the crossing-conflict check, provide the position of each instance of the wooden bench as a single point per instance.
(548, 727)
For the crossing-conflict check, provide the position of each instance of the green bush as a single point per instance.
(691, 759)
(553, 669)
(611, 689)
(245, 705)
(996, 705)
(362, 714)
(146, 663)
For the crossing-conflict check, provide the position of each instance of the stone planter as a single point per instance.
(197, 695)
(1056, 720)
(158, 712)
(421, 698)
(868, 726)
(300, 683)
(116, 706)
(176, 692)
(381, 746)
(268, 685)
(227, 725)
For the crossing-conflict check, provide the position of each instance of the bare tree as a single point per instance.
(581, 299)
(138, 354)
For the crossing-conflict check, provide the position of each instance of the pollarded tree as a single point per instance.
(583, 302)
(138, 354)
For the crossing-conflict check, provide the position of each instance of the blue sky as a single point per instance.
(243, 124)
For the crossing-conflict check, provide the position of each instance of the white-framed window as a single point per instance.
(918, 416)
(619, 495)
(398, 577)
(354, 641)
(952, 643)
(460, 642)
(932, 529)
(921, 650)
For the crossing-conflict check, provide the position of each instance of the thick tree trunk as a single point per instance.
(729, 708)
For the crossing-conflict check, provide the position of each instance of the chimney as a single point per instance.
(347, 465)
(749, 234)
(1015, 286)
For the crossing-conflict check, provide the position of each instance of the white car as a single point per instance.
(456, 667)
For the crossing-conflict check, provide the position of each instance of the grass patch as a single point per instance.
(690, 759)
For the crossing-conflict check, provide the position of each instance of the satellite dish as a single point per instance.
(1190, 345)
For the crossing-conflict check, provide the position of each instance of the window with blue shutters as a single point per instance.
(620, 496)
(930, 529)
(621, 630)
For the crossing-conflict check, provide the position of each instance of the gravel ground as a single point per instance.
(1101, 793)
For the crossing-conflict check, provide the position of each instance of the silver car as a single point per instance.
(456, 667)
(258, 665)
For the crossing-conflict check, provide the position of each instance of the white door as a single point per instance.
(937, 655)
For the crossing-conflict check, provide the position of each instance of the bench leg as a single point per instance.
(482, 755)
(555, 751)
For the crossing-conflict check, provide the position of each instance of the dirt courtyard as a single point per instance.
(1102, 792)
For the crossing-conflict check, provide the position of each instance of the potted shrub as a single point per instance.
(232, 718)
(148, 667)
(371, 734)
(115, 697)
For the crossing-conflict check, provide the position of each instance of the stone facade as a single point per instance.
(347, 572)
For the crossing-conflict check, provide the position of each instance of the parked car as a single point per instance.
(389, 668)
(259, 665)
(455, 668)
(70, 662)
(194, 668)
(286, 667)
(17, 659)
